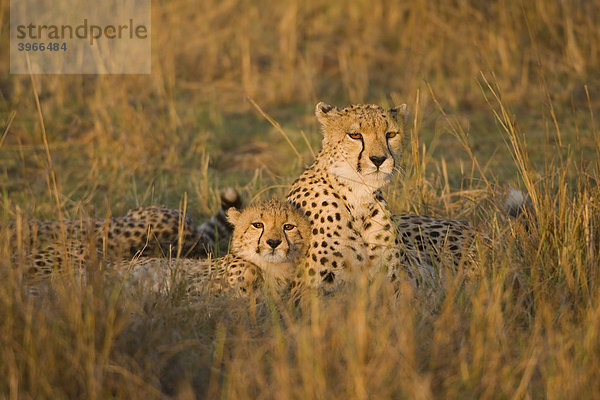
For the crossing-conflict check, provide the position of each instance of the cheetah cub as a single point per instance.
(45, 245)
(269, 240)
(149, 229)
(340, 193)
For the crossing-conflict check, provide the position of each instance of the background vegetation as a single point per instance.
(503, 93)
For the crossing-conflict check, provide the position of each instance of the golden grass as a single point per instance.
(502, 93)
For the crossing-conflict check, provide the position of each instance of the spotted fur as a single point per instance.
(434, 247)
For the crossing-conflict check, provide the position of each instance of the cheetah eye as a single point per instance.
(258, 225)
(390, 135)
(288, 227)
(355, 135)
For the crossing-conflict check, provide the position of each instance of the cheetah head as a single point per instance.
(362, 143)
(272, 235)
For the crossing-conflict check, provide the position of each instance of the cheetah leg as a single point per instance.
(382, 240)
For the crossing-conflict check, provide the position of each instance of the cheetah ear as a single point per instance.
(323, 111)
(400, 111)
(233, 215)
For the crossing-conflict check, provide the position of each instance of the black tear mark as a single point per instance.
(362, 142)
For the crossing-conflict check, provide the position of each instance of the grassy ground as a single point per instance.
(502, 94)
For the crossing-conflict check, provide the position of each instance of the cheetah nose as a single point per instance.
(377, 160)
(274, 243)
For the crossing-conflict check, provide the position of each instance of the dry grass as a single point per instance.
(502, 93)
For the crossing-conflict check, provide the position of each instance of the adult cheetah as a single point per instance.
(340, 193)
